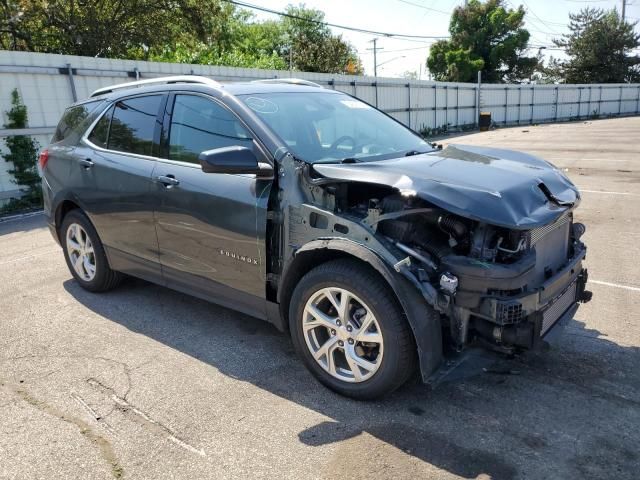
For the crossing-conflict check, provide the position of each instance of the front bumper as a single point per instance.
(506, 311)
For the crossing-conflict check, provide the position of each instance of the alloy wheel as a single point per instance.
(342, 334)
(80, 252)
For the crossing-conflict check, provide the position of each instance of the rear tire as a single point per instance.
(362, 349)
(84, 254)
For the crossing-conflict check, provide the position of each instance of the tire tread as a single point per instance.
(104, 281)
(396, 325)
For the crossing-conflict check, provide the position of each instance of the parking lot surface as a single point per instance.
(147, 383)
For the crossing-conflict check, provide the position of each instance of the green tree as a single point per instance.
(484, 36)
(111, 28)
(301, 41)
(23, 154)
(314, 48)
(599, 48)
(211, 32)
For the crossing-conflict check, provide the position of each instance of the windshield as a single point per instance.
(329, 127)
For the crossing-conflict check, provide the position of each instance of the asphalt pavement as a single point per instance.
(147, 383)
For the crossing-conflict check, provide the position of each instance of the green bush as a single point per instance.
(23, 154)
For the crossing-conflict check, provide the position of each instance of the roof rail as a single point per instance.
(151, 81)
(293, 81)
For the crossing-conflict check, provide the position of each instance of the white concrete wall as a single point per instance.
(46, 92)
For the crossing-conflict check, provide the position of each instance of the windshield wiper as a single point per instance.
(411, 153)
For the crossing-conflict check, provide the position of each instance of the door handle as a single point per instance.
(86, 163)
(168, 180)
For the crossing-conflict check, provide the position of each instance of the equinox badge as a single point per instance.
(237, 256)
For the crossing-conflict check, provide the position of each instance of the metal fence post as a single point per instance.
(579, 103)
(600, 101)
(519, 102)
(409, 99)
(533, 101)
(620, 102)
(638, 101)
(446, 105)
(457, 105)
(74, 95)
(435, 106)
(555, 114)
(506, 104)
(375, 84)
(478, 87)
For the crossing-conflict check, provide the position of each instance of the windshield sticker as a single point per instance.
(354, 104)
(261, 105)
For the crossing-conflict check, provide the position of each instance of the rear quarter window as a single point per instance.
(100, 134)
(73, 121)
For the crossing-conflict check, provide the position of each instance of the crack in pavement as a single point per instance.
(93, 414)
(125, 407)
(105, 447)
(125, 367)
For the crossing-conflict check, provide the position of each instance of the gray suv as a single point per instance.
(380, 254)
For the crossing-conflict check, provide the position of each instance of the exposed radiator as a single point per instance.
(539, 233)
(558, 307)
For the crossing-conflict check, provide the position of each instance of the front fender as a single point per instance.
(423, 319)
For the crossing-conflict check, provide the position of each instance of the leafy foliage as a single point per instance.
(193, 31)
(484, 36)
(599, 49)
(113, 28)
(313, 47)
(23, 154)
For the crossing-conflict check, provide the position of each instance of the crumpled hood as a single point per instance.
(500, 187)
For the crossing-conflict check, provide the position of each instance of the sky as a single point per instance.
(545, 20)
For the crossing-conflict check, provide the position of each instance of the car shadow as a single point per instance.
(564, 413)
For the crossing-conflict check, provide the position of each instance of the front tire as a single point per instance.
(85, 254)
(349, 330)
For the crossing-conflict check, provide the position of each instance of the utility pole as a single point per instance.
(290, 60)
(375, 56)
(624, 6)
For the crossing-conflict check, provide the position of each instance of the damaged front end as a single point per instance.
(501, 285)
(501, 288)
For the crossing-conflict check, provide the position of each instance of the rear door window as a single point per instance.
(133, 125)
(199, 124)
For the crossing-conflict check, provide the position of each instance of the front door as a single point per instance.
(211, 227)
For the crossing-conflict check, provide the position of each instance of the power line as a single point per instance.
(425, 7)
(343, 27)
(546, 23)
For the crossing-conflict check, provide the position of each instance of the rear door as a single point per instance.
(211, 227)
(117, 163)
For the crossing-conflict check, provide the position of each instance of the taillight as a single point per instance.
(43, 158)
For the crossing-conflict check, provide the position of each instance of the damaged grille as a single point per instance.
(557, 308)
(509, 313)
(539, 233)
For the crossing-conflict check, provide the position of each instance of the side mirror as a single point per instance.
(235, 159)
